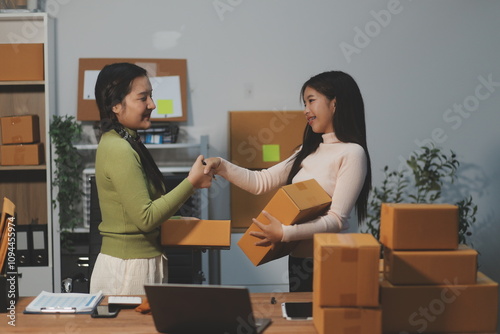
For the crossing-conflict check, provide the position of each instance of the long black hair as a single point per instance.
(113, 84)
(348, 124)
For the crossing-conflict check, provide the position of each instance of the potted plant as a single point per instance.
(428, 171)
(64, 131)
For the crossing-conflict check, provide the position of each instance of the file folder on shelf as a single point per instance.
(32, 245)
(39, 250)
(23, 256)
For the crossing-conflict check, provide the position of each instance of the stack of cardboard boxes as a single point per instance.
(20, 141)
(346, 284)
(258, 140)
(430, 283)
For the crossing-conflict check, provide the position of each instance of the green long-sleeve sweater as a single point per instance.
(132, 210)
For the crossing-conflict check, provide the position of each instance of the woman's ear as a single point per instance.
(117, 108)
(333, 104)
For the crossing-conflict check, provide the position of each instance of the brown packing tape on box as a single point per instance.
(24, 129)
(431, 267)
(445, 308)
(196, 233)
(405, 226)
(346, 270)
(347, 320)
(21, 155)
(292, 204)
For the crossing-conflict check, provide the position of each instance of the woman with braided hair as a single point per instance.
(131, 189)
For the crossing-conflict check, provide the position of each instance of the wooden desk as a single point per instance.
(130, 321)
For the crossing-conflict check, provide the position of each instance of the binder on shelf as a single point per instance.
(23, 257)
(39, 247)
(32, 247)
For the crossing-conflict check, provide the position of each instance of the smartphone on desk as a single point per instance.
(105, 311)
(297, 310)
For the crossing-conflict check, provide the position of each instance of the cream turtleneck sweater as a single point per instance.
(340, 168)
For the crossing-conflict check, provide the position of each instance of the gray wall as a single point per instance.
(421, 70)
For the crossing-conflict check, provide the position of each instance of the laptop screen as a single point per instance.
(191, 308)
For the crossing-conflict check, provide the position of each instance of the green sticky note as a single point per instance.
(270, 153)
(164, 107)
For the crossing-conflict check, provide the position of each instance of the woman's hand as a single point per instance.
(211, 165)
(197, 175)
(271, 234)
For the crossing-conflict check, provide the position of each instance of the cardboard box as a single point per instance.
(419, 226)
(431, 267)
(245, 206)
(20, 129)
(21, 62)
(346, 270)
(195, 232)
(19, 155)
(445, 308)
(345, 320)
(292, 204)
(261, 139)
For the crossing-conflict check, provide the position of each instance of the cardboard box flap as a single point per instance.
(354, 240)
(281, 207)
(307, 194)
(420, 206)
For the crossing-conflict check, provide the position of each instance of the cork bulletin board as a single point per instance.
(168, 78)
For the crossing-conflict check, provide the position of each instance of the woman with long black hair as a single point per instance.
(334, 152)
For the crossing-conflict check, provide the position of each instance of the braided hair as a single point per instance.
(113, 84)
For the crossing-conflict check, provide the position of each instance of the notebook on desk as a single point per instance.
(190, 308)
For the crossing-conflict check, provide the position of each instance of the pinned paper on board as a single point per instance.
(89, 80)
(167, 96)
(271, 153)
(166, 93)
(168, 79)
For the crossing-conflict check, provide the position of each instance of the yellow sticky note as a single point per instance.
(164, 107)
(270, 153)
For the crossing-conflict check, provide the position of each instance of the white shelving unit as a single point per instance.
(31, 192)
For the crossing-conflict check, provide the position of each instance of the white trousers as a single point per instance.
(115, 276)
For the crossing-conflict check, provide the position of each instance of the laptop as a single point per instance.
(192, 308)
